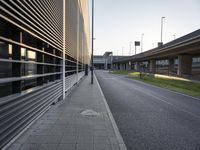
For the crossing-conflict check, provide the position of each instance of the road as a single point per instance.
(151, 118)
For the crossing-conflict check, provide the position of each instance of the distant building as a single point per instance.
(105, 61)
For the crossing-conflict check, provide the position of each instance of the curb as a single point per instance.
(116, 130)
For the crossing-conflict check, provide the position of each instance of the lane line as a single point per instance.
(164, 101)
(168, 90)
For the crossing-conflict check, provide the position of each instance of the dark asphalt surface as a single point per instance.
(151, 118)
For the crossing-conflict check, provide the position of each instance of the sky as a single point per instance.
(118, 23)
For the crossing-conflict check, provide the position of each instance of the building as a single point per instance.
(44, 47)
(105, 61)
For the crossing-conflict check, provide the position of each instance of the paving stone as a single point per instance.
(113, 141)
(115, 146)
(54, 139)
(14, 147)
(84, 139)
(99, 127)
(29, 146)
(23, 139)
(101, 140)
(84, 147)
(69, 139)
(42, 132)
(100, 133)
(102, 147)
(66, 147)
(48, 147)
(64, 128)
(36, 139)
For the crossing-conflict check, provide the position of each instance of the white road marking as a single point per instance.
(164, 101)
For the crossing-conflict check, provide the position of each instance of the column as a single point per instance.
(184, 65)
(121, 66)
(106, 64)
(171, 65)
(137, 66)
(152, 66)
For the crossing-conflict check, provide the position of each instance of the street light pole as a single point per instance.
(135, 49)
(92, 63)
(162, 18)
(142, 42)
(130, 48)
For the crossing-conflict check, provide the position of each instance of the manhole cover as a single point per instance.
(89, 112)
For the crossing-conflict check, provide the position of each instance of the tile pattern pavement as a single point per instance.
(62, 127)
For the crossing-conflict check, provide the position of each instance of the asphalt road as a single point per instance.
(151, 118)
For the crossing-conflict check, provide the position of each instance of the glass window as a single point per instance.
(5, 69)
(31, 55)
(23, 53)
(6, 89)
(27, 84)
(10, 49)
(4, 50)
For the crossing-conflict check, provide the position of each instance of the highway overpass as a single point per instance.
(180, 57)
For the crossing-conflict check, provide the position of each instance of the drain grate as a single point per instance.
(89, 112)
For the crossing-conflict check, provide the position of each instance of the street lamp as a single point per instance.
(92, 63)
(162, 18)
(130, 48)
(142, 42)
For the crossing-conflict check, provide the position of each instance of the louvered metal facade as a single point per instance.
(39, 39)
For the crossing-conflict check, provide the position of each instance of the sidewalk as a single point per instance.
(82, 122)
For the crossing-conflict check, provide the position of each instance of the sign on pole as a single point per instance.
(137, 43)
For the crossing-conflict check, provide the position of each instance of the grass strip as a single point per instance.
(185, 87)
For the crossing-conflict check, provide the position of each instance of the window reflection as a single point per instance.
(23, 53)
(5, 69)
(28, 69)
(31, 55)
(10, 49)
(3, 50)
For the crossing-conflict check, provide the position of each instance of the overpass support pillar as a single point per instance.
(137, 66)
(152, 66)
(121, 67)
(124, 66)
(128, 66)
(114, 66)
(106, 64)
(184, 65)
(171, 65)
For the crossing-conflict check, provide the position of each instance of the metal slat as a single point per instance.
(26, 46)
(6, 80)
(10, 108)
(24, 112)
(34, 91)
(18, 127)
(40, 33)
(43, 102)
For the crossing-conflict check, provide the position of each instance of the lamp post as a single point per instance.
(142, 42)
(162, 18)
(130, 48)
(92, 63)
